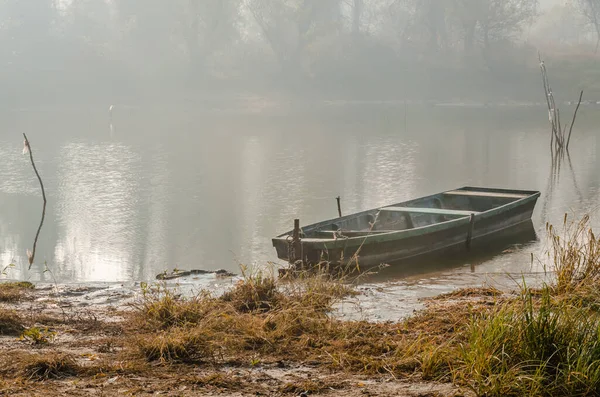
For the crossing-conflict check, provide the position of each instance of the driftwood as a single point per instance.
(185, 273)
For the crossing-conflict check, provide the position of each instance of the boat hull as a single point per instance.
(454, 235)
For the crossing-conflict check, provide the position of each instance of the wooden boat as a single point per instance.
(433, 225)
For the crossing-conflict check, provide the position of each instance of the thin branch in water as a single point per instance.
(574, 117)
(559, 140)
(561, 134)
(550, 102)
(31, 255)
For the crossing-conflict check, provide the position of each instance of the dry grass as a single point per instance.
(471, 293)
(10, 323)
(161, 308)
(260, 295)
(574, 257)
(46, 366)
(14, 292)
(261, 317)
(171, 341)
(176, 344)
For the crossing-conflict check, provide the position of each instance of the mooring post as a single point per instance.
(296, 242)
(338, 198)
(470, 232)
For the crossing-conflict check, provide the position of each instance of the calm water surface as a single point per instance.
(161, 188)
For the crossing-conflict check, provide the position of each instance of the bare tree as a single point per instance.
(206, 27)
(467, 15)
(591, 11)
(358, 7)
(147, 35)
(27, 27)
(505, 18)
(189, 31)
(495, 19)
(290, 26)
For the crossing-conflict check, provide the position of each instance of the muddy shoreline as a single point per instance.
(87, 324)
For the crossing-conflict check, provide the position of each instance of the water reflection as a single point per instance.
(510, 240)
(388, 168)
(97, 211)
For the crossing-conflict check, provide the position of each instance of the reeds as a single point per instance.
(574, 257)
(543, 342)
(533, 347)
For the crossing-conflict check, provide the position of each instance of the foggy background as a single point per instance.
(75, 52)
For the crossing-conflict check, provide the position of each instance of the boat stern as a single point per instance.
(282, 247)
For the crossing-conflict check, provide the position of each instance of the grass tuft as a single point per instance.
(49, 366)
(178, 344)
(14, 291)
(10, 323)
(255, 293)
(160, 308)
(574, 256)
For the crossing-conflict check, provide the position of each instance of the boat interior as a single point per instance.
(416, 213)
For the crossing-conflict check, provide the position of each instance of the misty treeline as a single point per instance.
(591, 10)
(77, 50)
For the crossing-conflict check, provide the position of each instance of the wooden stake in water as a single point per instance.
(296, 242)
(339, 205)
(470, 232)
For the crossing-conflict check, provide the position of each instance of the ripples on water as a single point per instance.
(154, 192)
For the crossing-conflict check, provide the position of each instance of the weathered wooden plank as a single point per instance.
(486, 194)
(434, 211)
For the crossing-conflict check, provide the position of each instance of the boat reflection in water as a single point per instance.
(486, 249)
